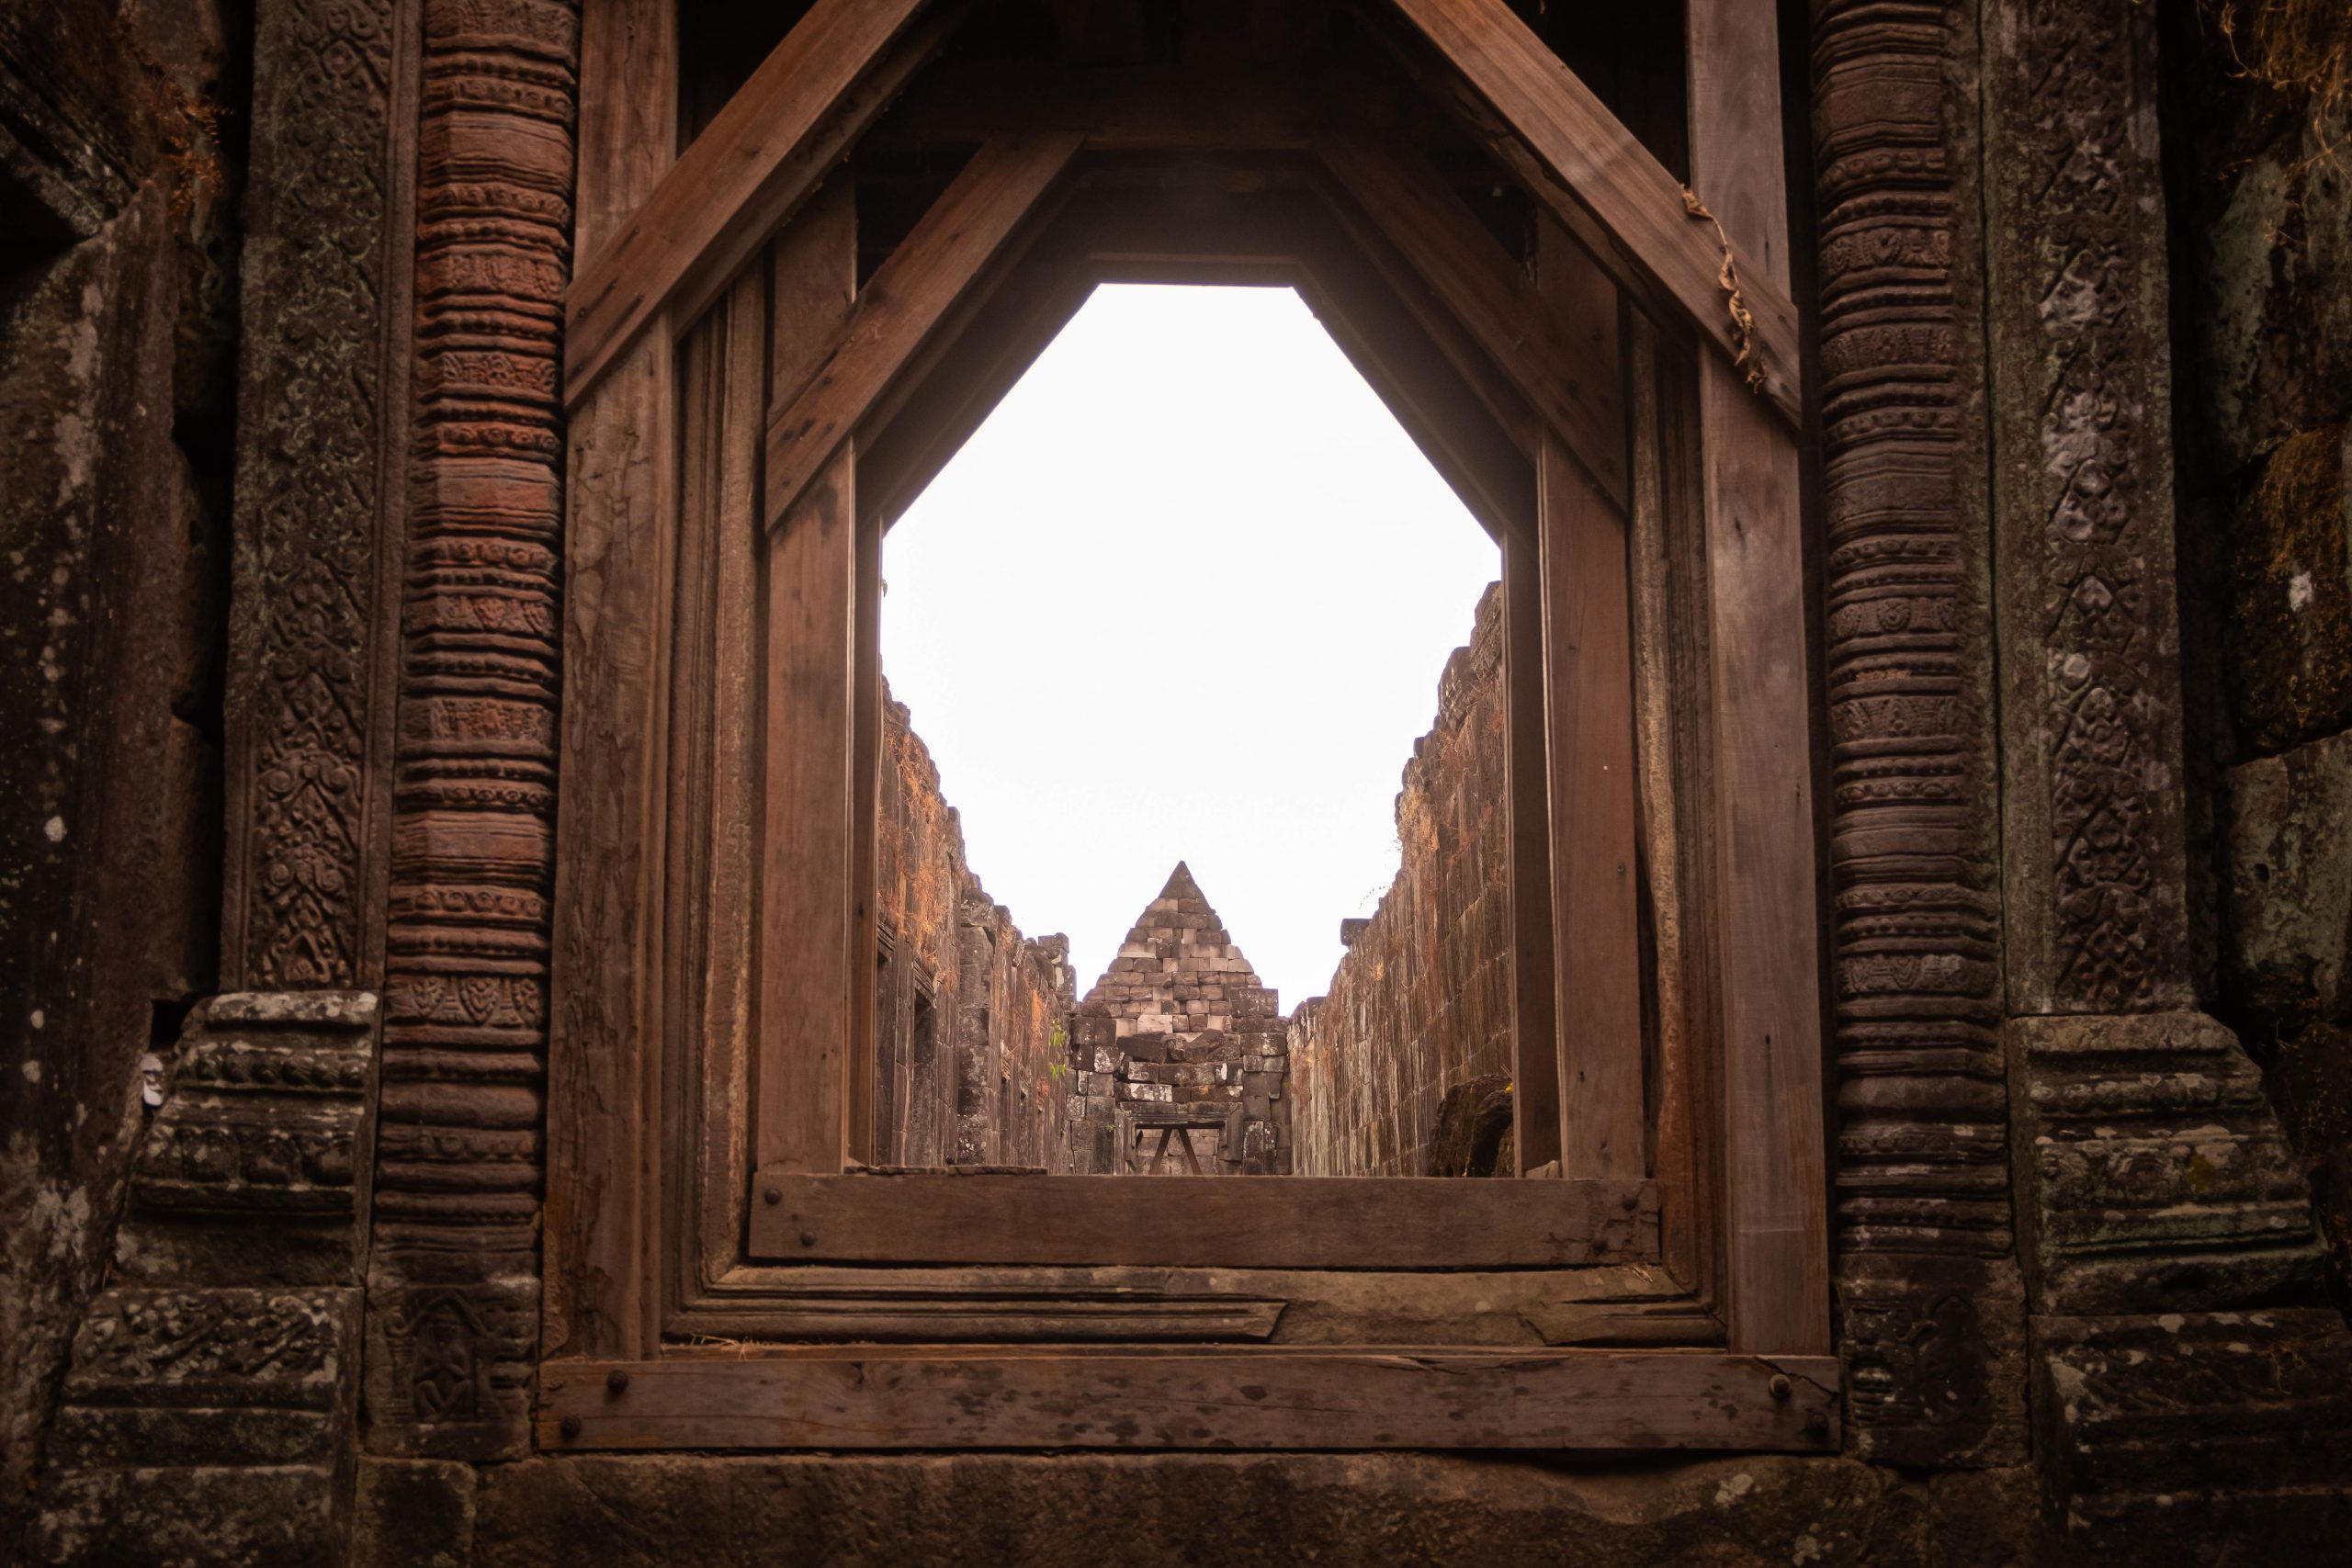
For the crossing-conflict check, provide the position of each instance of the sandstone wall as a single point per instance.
(1421, 1002)
(2261, 192)
(971, 1019)
(121, 147)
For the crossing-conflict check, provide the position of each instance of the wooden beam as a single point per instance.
(789, 125)
(1535, 1028)
(1594, 172)
(1204, 1220)
(605, 991)
(1578, 392)
(809, 863)
(1148, 109)
(1182, 1397)
(1588, 718)
(1775, 1179)
(905, 299)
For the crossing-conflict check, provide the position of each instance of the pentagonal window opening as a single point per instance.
(1190, 597)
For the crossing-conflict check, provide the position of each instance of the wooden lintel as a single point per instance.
(1492, 296)
(1121, 109)
(1767, 914)
(794, 121)
(1592, 171)
(907, 297)
(1203, 1221)
(881, 1397)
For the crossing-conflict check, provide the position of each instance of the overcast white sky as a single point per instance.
(1185, 595)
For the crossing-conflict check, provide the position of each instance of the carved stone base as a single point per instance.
(206, 1426)
(449, 1367)
(255, 1170)
(2165, 1435)
(2150, 1170)
(1933, 1354)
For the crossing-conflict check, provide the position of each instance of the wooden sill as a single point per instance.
(1251, 1397)
(1203, 1221)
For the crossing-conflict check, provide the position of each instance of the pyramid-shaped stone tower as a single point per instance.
(1183, 1053)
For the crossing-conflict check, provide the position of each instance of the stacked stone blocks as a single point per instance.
(1182, 1054)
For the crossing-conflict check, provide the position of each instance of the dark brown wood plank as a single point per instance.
(1069, 1397)
(904, 300)
(1209, 1221)
(1574, 384)
(1676, 745)
(1588, 718)
(791, 123)
(1777, 1280)
(808, 859)
(1596, 172)
(1588, 637)
(715, 826)
(1535, 1034)
(865, 766)
(1145, 108)
(607, 982)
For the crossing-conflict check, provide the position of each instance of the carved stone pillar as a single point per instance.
(322, 398)
(453, 1294)
(2154, 1186)
(1932, 1318)
(210, 1410)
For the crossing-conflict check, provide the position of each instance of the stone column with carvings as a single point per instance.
(1931, 1309)
(2184, 1363)
(454, 1286)
(320, 404)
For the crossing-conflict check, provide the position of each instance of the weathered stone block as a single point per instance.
(450, 1366)
(207, 1426)
(414, 1514)
(2290, 883)
(257, 1168)
(1933, 1348)
(2291, 595)
(2170, 1433)
(2150, 1169)
(1245, 1511)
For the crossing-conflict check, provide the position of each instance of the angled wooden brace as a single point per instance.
(1580, 161)
(1439, 236)
(795, 119)
(906, 299)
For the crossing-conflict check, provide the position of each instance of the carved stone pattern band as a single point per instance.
(1922, 1213)
(303, 685)
(453, 1293)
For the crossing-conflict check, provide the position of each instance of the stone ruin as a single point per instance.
(287, 596)
(1184, 1056)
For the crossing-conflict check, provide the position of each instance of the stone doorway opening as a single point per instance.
(1187, 596)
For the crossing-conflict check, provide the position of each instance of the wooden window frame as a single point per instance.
(724, 389)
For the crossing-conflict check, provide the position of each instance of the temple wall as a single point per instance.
(281, 598)
(971, 1019)
(122, 159)
(2261, 185)
(1421, 1002)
